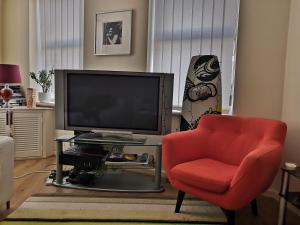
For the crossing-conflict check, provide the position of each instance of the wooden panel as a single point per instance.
(48, 133)
(27, 132)
(3, 129)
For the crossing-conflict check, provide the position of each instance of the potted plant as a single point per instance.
(44, 79)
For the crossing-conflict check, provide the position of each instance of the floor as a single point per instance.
(35, 183)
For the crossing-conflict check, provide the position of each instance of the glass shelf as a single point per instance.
(126, 181)
(134, 140)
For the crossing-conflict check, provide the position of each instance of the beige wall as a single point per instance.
(291, 95)
(137, 60)
(15, 35)
(1, 13)
(261, 58)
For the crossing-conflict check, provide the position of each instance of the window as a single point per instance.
(56, 35)
(180, 29)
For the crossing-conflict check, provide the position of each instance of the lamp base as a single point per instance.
(6, 105)
(6, 94)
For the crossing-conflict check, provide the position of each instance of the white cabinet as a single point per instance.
(3, 122)
(32, 129)
(27, 130)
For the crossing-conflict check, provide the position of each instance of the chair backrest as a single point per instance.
(230, 138)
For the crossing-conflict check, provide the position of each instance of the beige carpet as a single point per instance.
(115, 209)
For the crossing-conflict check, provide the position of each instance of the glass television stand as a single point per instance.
(109, 170)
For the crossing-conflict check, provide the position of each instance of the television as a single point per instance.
(137, 102)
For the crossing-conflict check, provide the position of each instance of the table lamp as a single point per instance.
(8, 74)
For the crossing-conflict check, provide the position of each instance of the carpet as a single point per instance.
(45, 208)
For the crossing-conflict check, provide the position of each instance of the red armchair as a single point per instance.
(226, 160)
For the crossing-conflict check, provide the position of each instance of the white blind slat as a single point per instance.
(185, 44)
(60, 24)
(184, 28)
(70, 33)
(217, 28)
(41, 33)
(58, 33)
(76, 37)
(46, 28)
(176, 46)
(56, 40)
(207, 27)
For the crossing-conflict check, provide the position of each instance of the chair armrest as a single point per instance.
(258, 168)
(6, 168)
(180, 147)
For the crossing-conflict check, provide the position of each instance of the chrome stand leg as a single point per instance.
(59, 166)
(283, 195)
(158, 168)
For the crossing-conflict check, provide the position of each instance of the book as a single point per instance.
(127, 159)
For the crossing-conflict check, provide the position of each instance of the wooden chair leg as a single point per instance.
(254, 207)
(8, 205)
(180, 198)
(230, 215)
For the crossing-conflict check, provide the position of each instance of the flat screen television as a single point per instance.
(138, 102)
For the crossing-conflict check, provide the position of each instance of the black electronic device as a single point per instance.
(138, 102)
(84, 157)
(82, 179)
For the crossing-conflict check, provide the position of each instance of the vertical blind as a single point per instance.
(180, 29)
(56, 34)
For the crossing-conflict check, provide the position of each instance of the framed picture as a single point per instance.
(113, 33)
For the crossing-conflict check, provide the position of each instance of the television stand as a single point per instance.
(116, 176)
(113, 132)
(110, 137)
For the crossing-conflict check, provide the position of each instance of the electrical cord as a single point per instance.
(27, 174)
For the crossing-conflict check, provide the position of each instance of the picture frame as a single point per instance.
(113, 33)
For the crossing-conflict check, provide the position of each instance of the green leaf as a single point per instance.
(43, 79)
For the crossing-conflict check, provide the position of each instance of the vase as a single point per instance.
(44, 97)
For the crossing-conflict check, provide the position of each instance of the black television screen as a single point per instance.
(140, 102)
(115, 102)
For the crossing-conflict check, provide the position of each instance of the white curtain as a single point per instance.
(56, 34)
(180, 29)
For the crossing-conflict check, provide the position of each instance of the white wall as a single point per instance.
(1, 14)
(260, 61)
(15, 35)
(291, 94)
(134, 62)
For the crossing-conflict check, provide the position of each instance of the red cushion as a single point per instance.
(207, 174)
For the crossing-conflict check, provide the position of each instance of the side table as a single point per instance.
(286, 195)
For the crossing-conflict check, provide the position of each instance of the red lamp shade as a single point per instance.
(9, 74)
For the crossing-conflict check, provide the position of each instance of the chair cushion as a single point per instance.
(207, 174)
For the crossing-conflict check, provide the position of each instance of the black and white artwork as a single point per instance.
(202, 92)
(113, 33)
